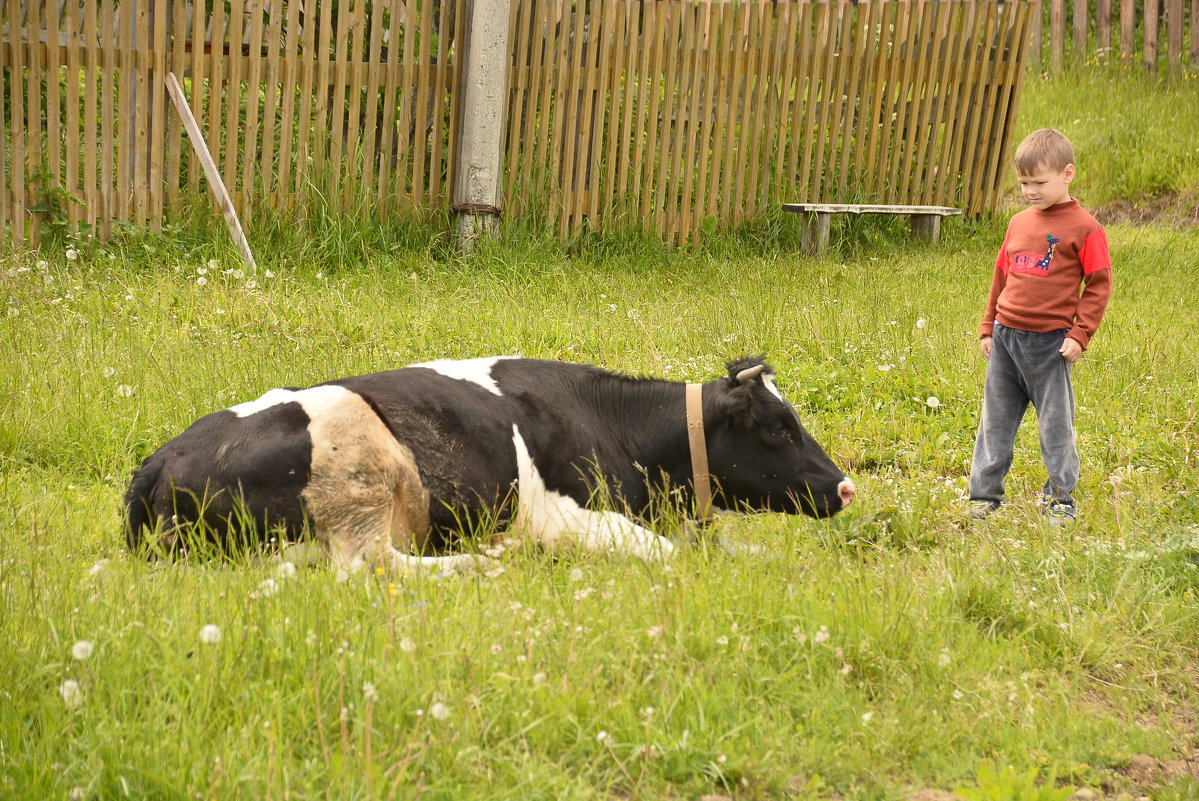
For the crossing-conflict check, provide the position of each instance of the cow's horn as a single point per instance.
(750, 373)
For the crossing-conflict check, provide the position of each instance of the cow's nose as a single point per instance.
(845, 491)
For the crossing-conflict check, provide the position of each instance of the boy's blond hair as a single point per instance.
(1044, 148)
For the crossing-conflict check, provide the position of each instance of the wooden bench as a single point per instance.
(926, 220)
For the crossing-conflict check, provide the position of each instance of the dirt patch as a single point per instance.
(1147, 772)
(1175, 210)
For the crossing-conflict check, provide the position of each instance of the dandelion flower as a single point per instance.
(72, 254)
(539, 679)
(201, 281)
(239, 274)
(43, 265)
(654, 632)
(251, 284)
(210, 634)
(72, 694)
(439, 711)
(82, 650)
(201, 271)
(270, 273)
(576, 574)
(722, 640)
(944, 659)
(932, 402)
(108, 372)
(125, 390)
(958, 695)
(97, 568)
(604, 737)
(213, 264)
(370, 693)
(286, 570)
(822, 635)
(268, 587)
(866, 716)
(407, 645)
(922, 323)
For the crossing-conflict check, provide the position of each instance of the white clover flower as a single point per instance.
(270, 273)
(654, 632)
(722, 640)
(268, 587)
(845, 669)
(213, 264)
(125, 390)
(932, 402)
(108, 372)
(82, 650)
(71, 693)
(922, 323)
(944, 659)
(76, 794)
(43, 265)
(822, 635)
(539, 679)
(286, 570)
(239, 274)
(439, 711)
(866, 716)
(958, 695)
(201, 281)
(210, 634)
(72, 254)
(407, 645)
(647, 712)
(576, 574)
(370, 693)
(98, 567)
(604, 737)
(310, 638)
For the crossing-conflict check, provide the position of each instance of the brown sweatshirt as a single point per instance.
(1046, 258)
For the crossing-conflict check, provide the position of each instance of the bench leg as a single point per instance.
(814, 234)
(927, 227)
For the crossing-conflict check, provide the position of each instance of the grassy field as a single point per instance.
(895, 652)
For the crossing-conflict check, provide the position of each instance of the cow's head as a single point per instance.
(759, 453)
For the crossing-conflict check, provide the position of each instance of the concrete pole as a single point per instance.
(481, 135)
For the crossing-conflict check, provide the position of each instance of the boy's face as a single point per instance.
(1046, 186)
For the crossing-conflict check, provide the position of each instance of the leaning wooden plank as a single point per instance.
(210, 170)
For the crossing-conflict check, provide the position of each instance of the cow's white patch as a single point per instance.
(314, 400)
(553, 519)
(768, 380)
(477, 371)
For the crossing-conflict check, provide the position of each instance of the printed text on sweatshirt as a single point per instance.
(1046, 257)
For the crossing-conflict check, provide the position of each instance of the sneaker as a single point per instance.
(981, 510)
(1059, 514)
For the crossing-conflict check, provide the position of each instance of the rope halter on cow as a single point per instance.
(701, 479)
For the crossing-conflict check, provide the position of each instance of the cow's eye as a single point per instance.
(781, 431)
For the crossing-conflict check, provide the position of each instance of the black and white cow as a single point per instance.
(378, 466)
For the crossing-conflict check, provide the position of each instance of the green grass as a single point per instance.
(1132, 137)
(891, 650)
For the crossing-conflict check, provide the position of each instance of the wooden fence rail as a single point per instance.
(1154, 33)
(664, 113)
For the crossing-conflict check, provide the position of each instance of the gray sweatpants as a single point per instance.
(1025, 366)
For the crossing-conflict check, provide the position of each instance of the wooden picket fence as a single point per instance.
(670, 113)
(673, 115)
(1147, 32)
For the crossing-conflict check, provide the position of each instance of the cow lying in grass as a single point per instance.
(380, 466)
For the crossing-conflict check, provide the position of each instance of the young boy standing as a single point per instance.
(1052, 282)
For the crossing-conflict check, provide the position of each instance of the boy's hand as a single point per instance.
(985, 345)
(1071, 351)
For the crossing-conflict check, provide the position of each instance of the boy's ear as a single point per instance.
(1068, 173)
